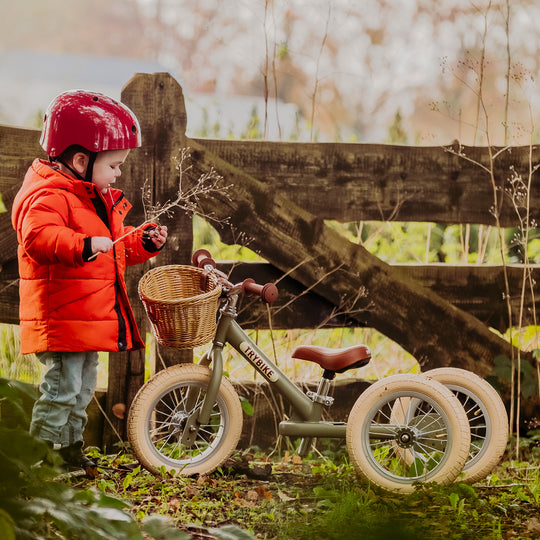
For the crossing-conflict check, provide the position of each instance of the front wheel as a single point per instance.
(433, 431)
(163, 407)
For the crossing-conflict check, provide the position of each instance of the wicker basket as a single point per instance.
(181, 303)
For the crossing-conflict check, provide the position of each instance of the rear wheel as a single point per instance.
(487, 419)
(163, 407)
(430, 443)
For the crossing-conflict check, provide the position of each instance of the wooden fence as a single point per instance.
(337, 181)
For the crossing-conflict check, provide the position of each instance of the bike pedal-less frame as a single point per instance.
(402, 430)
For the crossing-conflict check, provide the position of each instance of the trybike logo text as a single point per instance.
(257, 361)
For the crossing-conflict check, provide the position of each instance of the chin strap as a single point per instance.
(90, 166)
(89, 169)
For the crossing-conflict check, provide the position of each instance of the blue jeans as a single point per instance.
(59, 415)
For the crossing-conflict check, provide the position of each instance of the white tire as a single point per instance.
(434, 432)
(159, 413)
(487, 419)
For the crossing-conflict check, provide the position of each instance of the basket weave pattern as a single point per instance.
(181, 303)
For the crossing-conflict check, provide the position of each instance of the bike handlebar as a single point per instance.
(202, 258)
(268, 292)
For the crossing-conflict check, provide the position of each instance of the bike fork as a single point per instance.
(201, 415)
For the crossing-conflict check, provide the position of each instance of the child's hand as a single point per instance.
(101, 244)
(158, 235)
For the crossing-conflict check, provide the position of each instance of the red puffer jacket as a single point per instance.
(67, 304)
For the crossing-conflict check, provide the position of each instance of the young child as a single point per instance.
(73, 298)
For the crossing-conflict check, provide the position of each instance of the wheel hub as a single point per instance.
(405, 438)
(178, 421)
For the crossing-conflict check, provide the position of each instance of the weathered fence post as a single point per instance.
(158, 102)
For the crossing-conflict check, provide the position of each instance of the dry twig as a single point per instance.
(208, 183)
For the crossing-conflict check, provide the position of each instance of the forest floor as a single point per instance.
(291, 498)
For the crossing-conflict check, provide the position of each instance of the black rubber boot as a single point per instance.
(74, 457)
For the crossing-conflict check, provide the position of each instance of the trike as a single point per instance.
(188, 418)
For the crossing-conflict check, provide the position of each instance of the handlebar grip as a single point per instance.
(268, 292)
(202, 258)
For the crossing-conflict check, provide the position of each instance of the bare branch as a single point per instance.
(187, 199)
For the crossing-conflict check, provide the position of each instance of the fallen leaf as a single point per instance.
(284, 497)
(252, 495)
(533, 525)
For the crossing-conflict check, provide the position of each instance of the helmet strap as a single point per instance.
(90, 167)
(71, 169)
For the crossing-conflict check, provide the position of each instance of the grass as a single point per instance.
(27, 368)
(252, 496)
(321, 497)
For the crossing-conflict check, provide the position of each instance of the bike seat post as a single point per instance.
(321, 395)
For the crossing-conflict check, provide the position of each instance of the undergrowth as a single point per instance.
(320, 496)
(252, 496)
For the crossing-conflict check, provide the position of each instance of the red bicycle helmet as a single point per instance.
(91, 120)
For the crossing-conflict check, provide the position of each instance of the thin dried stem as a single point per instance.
(187, 199)
(317, 80)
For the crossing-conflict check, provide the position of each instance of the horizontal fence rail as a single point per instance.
(343, 182)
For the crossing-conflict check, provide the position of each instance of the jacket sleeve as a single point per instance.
(45, 235)
(136, 252)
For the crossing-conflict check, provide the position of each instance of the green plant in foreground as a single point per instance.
(34, 504)
(37, 502)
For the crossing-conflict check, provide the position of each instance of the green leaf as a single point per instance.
(7, 526)
(127, 481)
(502, 368)
(112, 502)
(454, 498)
(231, 532)
(20, 451)
(247, 407)
(162, 528)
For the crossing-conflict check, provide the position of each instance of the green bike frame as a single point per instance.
(306, 419)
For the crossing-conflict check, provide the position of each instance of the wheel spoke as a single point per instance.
(166, 424)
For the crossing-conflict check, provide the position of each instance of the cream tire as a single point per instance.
(435, 432)
(160, 410)
(487, 416)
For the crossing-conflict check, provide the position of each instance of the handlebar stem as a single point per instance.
(231, 302)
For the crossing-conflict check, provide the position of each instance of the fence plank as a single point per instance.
(355, 182)
(477, 289)
(348, 182)
(18, 149)
(157, 101)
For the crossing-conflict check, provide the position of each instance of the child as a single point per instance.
(73, 298)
